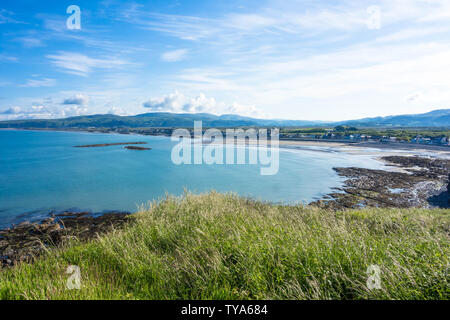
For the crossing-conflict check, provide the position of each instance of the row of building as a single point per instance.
(441, 140)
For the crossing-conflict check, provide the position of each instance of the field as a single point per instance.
(215, 246)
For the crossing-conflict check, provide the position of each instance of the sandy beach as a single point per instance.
(374, 149)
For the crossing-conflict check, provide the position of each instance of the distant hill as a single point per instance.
(158, 119)
(437, 118)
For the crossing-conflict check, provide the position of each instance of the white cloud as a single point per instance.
(246, 110)
(7, 16)
(41, 112)
(8, 58)
(30, 42)
(368, 79)
(289, 17)
(78, 99)
(82, 65)
(174, 56)
(294, 58)
(12, 111)
(178, 103)
(35, 83)
(5, 83)
(117, 111)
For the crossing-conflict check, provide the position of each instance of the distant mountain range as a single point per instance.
(437, 118)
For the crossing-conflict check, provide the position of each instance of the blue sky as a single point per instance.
(291, 59)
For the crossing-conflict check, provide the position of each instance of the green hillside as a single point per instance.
(217, 246)
(437, 118)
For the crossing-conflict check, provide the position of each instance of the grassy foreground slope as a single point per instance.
(217, 246)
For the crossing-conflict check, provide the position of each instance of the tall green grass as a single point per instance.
(217, 246)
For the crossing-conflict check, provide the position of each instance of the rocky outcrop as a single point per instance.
(24, 242)
(421, 183)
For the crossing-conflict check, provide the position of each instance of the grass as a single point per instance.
(215, 246)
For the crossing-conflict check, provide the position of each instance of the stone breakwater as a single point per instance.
(413, 182)
(24, 242)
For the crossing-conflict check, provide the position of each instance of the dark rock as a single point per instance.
(108, 144)
(419, 185)
(136, 148)
(26, 241)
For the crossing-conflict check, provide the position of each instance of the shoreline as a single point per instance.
(286, 142)
(29, 240)
(415, 182)
(375, 149)
(407, 182)
(324, 146)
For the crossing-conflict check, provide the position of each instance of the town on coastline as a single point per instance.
(343, 134)
(424, 136)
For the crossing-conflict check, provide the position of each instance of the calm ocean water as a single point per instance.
(41, 172)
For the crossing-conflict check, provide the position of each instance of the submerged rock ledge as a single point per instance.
(108, 144)
(137, 148)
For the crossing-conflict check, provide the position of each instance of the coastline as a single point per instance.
(376, 151)
(406, 181)
(286, 142)
(412, 188)
(24, 242)
(372, 148)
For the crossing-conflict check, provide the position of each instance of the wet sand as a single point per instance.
(374, 149)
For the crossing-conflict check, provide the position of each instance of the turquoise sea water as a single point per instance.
(41, 172)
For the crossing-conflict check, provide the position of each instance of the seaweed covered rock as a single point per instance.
(28, 240)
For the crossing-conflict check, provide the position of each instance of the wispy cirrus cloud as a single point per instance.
(286, 18)
(174, 55)
(7, 16)
(82, 65)
(8, 58)
(30, 42)
(295, 58)
(35, 83)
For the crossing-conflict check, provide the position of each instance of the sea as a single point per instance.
(41, 173)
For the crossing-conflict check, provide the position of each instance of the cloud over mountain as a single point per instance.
(42, 112)
(179, 103)
(78, 99)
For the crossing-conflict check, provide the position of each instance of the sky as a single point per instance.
(290, 59)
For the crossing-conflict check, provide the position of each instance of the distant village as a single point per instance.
(338, 134)
(333, 135)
